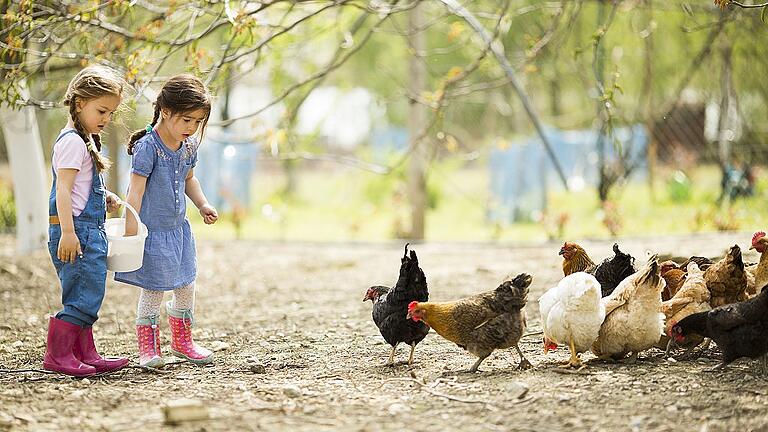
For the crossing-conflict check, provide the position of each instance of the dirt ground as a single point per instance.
(296, 350)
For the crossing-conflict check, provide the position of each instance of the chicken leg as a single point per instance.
(574, 361)
(413, 348)
(474, 367)
(391, 361)
(524, 363)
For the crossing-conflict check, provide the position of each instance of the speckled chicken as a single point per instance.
(481, 323)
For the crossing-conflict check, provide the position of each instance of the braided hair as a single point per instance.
(91, 83)
(181, 94)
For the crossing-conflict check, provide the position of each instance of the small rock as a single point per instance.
(398, 408)
(517, 390)
(671, 360)
(86, 382)
(219, 346)
(258, 369)
(292, 391)
(17, 344)
(181, 410)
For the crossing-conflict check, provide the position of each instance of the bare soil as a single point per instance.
(296, 350)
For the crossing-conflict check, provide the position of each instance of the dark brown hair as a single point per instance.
(91, 83)
(181, 94)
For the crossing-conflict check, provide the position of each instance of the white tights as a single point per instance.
(150, 301)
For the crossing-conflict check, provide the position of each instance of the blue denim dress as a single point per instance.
(169, 251)
(82, 282)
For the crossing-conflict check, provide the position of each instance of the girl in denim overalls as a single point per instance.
(77, 209)
(162, 173)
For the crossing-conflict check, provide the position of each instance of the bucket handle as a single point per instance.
(133, 210)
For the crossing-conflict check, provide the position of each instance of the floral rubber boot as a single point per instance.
(148, 336)
(182, 345)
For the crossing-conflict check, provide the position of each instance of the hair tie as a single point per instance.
(148, 128)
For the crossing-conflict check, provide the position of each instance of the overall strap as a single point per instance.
(65, 133)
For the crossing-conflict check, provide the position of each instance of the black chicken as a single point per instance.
(613, 270)
(390, 306)
(739, 329)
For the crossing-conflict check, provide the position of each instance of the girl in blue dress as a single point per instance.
(162, 173)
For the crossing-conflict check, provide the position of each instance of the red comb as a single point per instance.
(758, 235)
(412, 305)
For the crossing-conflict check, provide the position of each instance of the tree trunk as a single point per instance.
(723, 124)
(25, 154)
(417, 183)
(652, 151)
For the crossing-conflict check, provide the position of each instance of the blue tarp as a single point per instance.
(522, 173)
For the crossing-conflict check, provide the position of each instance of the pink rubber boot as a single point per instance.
(148, 336)
(85, 351)
(182, 345)
(58, 352)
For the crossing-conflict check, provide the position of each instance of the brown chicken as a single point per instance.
(760, 272)
(576, 259)
(481, 323)
(674, 276)
(693, 297)
(726, 279)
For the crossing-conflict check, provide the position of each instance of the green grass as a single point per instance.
(350, 205)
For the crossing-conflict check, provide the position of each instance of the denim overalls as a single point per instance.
(83, 282)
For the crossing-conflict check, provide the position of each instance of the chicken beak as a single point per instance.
(752, 247)
(562, 252)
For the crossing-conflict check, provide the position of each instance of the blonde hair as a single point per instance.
(91, 83)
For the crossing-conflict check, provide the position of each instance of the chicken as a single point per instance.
(613, 270)
(609, 273)
(693, 297)
(481, 323)
(760, 272)
(575, 259)
(390, 306)
(674, 276)
(571, 313)
(738, 329)
(632, 320)
(726, 279)
(703, 262)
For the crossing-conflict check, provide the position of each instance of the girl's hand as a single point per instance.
(69, 247)
(209, 214)
(113, 202)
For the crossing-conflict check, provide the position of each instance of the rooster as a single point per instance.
(609, 273)
(571, 313)
(390, 306)
(738, 329)
(632, 320)
(481, 323)
(726, 279)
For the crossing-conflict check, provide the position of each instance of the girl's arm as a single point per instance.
(195, 193)
(134, 198)
(69, 245)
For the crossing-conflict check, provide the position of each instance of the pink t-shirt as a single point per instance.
(70, 152)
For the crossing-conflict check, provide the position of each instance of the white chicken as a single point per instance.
(571, 313)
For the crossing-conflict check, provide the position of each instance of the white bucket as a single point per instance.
(124, 254)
